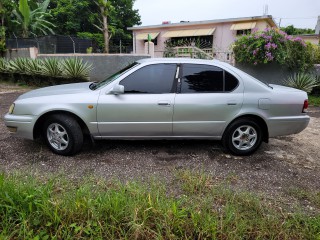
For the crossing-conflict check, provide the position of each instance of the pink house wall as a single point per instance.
(223, 37)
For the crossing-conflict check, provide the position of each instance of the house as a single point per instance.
(211, 38)
(312, 38)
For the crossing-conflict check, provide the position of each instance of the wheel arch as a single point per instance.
(257, 119)
(40, 121)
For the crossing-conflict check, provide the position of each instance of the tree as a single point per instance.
(104, 7)
(33, 21)
(74, 16)
(6, 8)
(291, 30)
(123, 16)
(84, 18)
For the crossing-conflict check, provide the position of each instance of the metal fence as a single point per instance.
(52, 44)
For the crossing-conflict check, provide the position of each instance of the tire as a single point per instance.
(62, 134)
(242, 137)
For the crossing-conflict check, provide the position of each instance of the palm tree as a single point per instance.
(33, 21)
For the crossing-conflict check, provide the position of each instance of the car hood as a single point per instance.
(58, 90)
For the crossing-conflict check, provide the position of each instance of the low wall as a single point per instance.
(271, 73)
(21, 53)
(104, 65)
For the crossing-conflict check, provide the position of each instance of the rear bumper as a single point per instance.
(20, 125)
(280, 126)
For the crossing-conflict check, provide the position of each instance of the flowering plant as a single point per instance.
(273, 45)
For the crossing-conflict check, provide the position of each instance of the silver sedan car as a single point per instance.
(162, 99)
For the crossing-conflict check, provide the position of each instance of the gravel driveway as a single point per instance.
(291, 162)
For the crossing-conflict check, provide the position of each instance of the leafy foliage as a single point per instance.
(19, 65)
(33, 21)
(302, 81)
(291, 30)
(51, 67)
(4, 66)
(273, 45)
(6, 8)
(75, 68)
(45, 71)
(33, 66)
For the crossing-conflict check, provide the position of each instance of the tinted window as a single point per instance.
(230, 82)
(157, 78)
(201, 78)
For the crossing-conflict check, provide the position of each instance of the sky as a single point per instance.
(300, 13)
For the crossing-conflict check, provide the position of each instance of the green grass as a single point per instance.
(314, 100)
(200, 208)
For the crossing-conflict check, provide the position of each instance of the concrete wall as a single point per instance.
(271, 73)
(104, 64)
(21, 53)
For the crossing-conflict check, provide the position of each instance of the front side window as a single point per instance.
(151, 79)
(197, 78)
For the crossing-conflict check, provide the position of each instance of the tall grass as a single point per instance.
(92, 208)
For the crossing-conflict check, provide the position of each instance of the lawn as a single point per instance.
(314, 100)
(91, 208)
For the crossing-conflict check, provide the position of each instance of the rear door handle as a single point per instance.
(164, 103)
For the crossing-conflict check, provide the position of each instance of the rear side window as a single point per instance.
(230, 82)
(206, 79)
(151, 79)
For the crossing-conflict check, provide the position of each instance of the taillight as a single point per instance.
(305, 106)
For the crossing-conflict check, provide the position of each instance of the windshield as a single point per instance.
(113, 77)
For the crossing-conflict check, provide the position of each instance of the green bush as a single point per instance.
(75, 68)
(273, 45)
(302, 81)
(97, 38)
(41, 72)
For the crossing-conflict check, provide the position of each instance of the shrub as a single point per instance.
(51, 67)
(273, 45)
(302, 81)
(45, 71)
(75, 68)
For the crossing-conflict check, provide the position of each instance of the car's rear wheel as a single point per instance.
(63, 134)
(242, 137)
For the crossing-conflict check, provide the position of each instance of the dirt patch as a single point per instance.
(291, 162)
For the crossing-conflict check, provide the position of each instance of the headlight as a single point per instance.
(11, 108)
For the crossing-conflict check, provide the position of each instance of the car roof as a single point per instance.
(178, 60)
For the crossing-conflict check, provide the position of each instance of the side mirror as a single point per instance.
(117, 89)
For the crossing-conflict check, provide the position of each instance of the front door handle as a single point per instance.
(232, 102)
(164, 103)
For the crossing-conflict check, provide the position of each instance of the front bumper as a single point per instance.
(20, 125)
(281, 126)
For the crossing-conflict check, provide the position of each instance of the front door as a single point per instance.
(145, 108)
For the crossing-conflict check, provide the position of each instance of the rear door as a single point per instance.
(145, 108)
(208, 97)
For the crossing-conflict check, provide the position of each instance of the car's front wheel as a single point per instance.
(63, 134)
(242, 137)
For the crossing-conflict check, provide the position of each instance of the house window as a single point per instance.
(244, 32)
